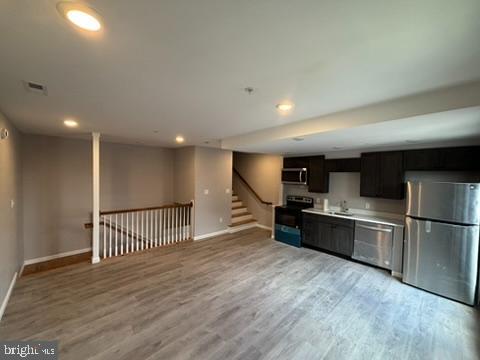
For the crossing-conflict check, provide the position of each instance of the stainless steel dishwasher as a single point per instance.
(373, 244)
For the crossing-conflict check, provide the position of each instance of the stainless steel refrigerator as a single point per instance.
(442, 238)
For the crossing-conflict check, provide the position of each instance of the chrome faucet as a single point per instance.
(343, 206)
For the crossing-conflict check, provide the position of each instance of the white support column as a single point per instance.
(96, 197)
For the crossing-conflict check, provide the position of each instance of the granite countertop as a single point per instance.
(358, 217)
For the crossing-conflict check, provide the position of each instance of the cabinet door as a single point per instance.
(309, 230)
(382, 175)
(317, 175)
(369, 171)
(390, 177)
(342, 239)
(460, 158)
(423, 159)
(324, 239)
(295, 162)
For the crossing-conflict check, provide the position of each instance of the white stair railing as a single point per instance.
(132, 230)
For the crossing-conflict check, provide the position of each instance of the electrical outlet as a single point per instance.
(221, 220)
(318, 200)
(206, 191)
(367, 205)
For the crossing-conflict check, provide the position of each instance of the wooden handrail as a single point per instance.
(123, 211)
(251, 189)
(170, 206)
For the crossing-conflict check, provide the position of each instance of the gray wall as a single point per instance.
(135, 176)
(57, 188)
(263, 173)
(213, 172)
(184, 174)
(11, 247)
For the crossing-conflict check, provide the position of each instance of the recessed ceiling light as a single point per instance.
(80, 15)
(298, 139)
(285, 107)
(179, 139)
(337, 147)
(70, 123)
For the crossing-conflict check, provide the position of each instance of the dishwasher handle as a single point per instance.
(374, 228)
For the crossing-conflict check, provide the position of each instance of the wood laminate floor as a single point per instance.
(240, 296)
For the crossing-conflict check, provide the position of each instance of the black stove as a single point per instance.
(288, 219)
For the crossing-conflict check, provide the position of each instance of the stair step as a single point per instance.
(239, 210)
(243, 222)
(236, 204)
(243, 213)
(237, 219)
(234, 198)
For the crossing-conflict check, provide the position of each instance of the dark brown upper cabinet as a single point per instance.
(318, 179)
(382, 175)
(445, 159)
(296, 162)
(343, 165)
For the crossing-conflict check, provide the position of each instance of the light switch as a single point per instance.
(12, 204)
(206, 191)
(227, 191)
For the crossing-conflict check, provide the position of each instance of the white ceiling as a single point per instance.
(177, 66)
(448, 126)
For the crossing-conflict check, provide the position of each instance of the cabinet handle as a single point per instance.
(375, 228)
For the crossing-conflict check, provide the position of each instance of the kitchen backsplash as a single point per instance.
(346, 186)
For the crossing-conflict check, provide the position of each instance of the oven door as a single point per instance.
(288, 217)
(294, 176)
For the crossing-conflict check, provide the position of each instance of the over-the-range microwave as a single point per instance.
(294, 176)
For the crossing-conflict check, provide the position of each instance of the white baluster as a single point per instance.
(141, 232)
(174, 210)
(121, 234)
(169, 225)
(116, 235)
(151, 228)
(102, 218)
(185, 213)
(109, 235)
(162, 235)
(126, 233)
(179, 224)
(136, 233)
(156, 228)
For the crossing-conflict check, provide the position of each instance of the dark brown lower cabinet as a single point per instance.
(328, 233)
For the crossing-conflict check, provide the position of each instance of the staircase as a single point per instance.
(241, 217)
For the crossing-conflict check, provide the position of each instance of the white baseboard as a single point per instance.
(56, 256)
(264, 227)
(206, 236)
(21, 270)
(235, 229)
(7, 296)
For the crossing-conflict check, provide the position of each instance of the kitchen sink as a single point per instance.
(341, 213)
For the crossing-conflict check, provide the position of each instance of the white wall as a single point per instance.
(11, 246)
